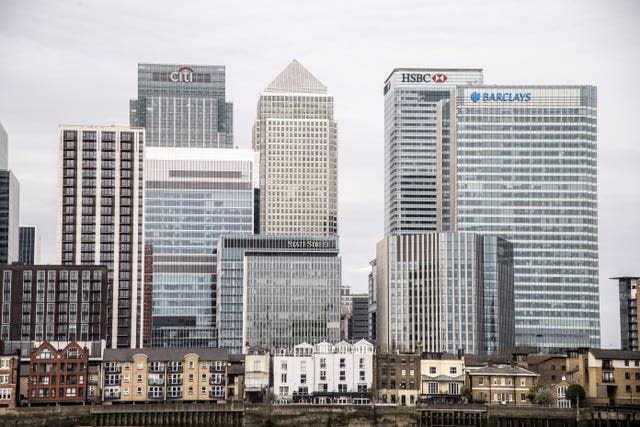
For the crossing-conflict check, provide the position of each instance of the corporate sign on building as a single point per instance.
(417, 77)
(311, 244)
(183, 75)
(476, 96)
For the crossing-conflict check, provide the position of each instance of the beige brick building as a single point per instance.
(502, 384)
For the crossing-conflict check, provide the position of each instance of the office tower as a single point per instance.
(55, 303)
(4, 149)
(9, 217)
(29, 245)
(410, 98)
(373, 300)
(100, 215)
(435, 293)
(193, 196)
(523, 166)
(277, 291)
(358, 323)
(629, 302)
(183, 106)
(296, 136)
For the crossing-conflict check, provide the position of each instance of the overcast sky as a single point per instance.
(75, 62)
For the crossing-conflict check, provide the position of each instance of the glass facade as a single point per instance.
(29, 245)
(526, 170)
(410, 98)
(278, 291)
(183, 106)
(9, 217)
(436, 292)
(192, 197)
(296, 136)
(100, 216)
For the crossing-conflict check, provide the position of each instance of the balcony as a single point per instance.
(607, 377)
(111, 369)
(109, 383)
(215, 380)
(156, 368)
(214, 368)
(216, 394)
(174, 369)
(174, 381)
(175, 395)
(607, 365)
(157, 395)
(111, 396)
(156, 381)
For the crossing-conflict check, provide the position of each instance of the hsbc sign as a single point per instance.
(423, 77)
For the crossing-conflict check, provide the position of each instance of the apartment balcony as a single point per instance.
(174, 381)
(213, 368)
(216, 380)
(607, 366)
(174, 369)
(216, 394)
(175, 395)
(111, 396)
(156, 368)
(112, 369)
(156, 396)
(156, 381)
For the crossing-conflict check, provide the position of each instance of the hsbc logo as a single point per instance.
(423, 78)
(183, 75)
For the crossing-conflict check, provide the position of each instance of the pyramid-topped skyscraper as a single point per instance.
(296, 136)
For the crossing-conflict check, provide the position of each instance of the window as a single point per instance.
(454, 388)
(432, 388)
(139, 378)
(343, 363)
(283, 377)
(560, 391)
(453, 370)
(432, 370)
(303, 378)
(481, 381)
(343, 375)
(522, 382)
(342, 388)
(323, 362)
(283, 365)
(323, 375)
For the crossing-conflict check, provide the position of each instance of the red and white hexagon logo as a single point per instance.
(439, 78)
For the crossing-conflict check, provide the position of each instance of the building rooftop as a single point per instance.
(164, 354)
(296, 79)
(599, 353)
(503, 370)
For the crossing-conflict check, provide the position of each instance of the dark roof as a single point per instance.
(482, 360)
(164, 354)
(540, 358)
(257, 350)
(503, 370)
(427, 355)
(600, 353)
(236, 358)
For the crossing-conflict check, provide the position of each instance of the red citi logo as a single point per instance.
(439, 78)
(184, 74)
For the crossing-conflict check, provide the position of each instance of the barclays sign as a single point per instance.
(500, 96)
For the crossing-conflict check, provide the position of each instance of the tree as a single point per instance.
(544, 398)
(533, 392)
(575, 392)
(465, 392)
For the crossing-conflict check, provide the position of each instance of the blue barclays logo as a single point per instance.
(501, 96)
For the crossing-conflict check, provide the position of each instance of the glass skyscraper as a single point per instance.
(524, 167)
(9, 217)
(296, 136)
(444, 291)
(410, 98)
(29, 245)
(278, 291)
(192, 197)
(183, 106)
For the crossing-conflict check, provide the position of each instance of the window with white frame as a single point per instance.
(432, 388)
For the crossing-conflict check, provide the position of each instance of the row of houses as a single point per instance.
(57, 373)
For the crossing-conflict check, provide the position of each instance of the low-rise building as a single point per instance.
(442, 377)
(501, 384)
(397, 378)
(58, 376)
(165, 374)
(324, 373)
(9, 381)
(256, 376)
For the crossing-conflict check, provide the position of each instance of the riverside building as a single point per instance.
(296, 136)
(192, 197)
(522, 165)
(444, 291)
(183, 106)
(100, 197)
(410, 98)
(277, 291)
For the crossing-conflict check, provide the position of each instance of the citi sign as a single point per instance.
(423, 78)
(183, 75)
(501, 96)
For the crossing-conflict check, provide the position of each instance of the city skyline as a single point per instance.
(589, 45)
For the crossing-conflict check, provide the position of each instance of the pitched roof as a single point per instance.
(600, 353)
(164, 354)
(296, 79)
(503, 370)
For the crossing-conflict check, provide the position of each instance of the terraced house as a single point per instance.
(165, 375)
